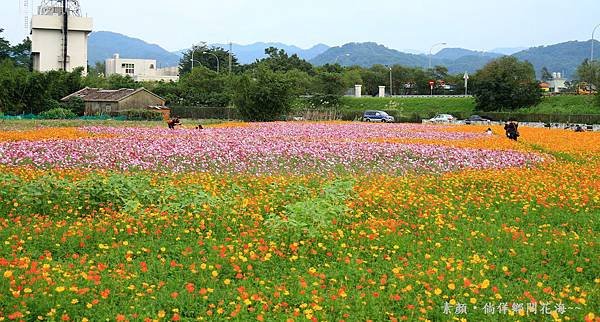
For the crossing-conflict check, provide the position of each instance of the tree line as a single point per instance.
(266, 89)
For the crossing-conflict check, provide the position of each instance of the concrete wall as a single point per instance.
(141, 67)
(143, 70)
(47, 40)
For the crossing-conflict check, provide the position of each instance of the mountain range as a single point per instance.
(564, 57)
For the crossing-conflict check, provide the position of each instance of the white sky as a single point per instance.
(398, 24)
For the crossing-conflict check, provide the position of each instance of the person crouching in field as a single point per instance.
(512, 130)
(173, 123)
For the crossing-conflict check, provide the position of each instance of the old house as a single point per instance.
(110, 102)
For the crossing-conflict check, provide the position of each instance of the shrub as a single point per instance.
(50, 104)
(142, 115)
(58, 114)
(315, 216)
(75, 104)
(263, 95)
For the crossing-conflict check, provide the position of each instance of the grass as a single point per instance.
(465, 106)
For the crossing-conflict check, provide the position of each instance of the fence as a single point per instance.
(217, 113)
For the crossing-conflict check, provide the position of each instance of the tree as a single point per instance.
(116, 81)
(279, 61)
(13, 87)
(263, 95)
(21, 54)
(506, 83)
(5, 49)
(589, 72)
(546, 76)
(204, 87)
(203, 56)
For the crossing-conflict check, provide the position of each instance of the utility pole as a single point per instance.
(466, 78)
(230, 56)
(391, 84)
(65, 13)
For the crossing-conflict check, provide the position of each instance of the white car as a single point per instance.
(442, 118)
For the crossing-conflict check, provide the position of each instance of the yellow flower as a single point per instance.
(485, 284)
(8, 274)
(451, 286)
(60, 289)
(437, 291)
(227, 281)
(215, 273)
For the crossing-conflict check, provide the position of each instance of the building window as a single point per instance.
(129, 68)
(151, 66)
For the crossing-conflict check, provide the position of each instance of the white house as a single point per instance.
(140, 69)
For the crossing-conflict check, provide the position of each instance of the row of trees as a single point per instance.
(266, 88)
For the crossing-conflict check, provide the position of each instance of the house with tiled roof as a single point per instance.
(110, 102)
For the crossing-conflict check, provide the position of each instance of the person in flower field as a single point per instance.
(512, 130)
(173, 123)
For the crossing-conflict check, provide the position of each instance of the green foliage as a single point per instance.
(142, 115)
(589, 72)
(203, 57)
(546, 76)
(5, 49)
(57, 113)
(116, 81)
(126, 193)
(279, 61)
(313, 217)
(597, 100)
(203, 87)
(506, 84)
(263, 95)
(75, 104)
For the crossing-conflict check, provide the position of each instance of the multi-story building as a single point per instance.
(59, 36)
(140, 69)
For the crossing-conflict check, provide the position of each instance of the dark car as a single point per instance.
(377, 116)
(476, 119)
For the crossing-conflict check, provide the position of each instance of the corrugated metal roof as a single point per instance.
(105, 95)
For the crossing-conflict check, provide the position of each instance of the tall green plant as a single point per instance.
(263, 95)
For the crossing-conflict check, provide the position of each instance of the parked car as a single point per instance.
(476, 119)
(377, 116)
(442, 118)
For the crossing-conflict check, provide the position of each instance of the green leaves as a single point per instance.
(315, 216)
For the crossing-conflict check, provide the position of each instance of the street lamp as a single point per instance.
(193, 50)
(593, 35)
(217, 57)
(431, 50)
(391, 82)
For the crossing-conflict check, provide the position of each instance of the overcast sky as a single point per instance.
(398, 24)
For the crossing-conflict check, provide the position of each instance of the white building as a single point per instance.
(558, 83)
(141, 70)
(51, 47)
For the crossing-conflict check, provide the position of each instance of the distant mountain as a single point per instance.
(247, 54)
(508, 50)
(564, 57)
(456, 53)
(368, 54)
(104, 44)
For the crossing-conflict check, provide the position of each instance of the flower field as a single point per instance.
(297, 222)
